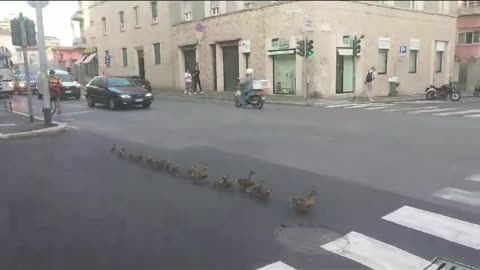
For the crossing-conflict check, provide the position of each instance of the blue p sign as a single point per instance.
(403, 50)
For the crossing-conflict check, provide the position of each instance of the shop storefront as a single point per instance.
(282, 52)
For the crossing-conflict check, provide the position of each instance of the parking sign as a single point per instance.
(403, 50)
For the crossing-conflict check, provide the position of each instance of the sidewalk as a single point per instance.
(295, 100)
(13, 125)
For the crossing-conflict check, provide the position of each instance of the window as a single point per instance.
(468, 38)
(187, 10)
(412, 64)
(104, 25)
(124, 57)
(387, 3)
(107, 58)
(443, 6)
(156, 53)
(98, 82)
(476, 37)
(118, 82)
(137, 19)
(382, 61)
(214, 11)
(122, 21)
(461, 38)
(187, 16)
(153, 5)
(438, 61)
(415, 4)
(248, 5)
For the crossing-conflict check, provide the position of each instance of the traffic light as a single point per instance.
(16, 32)
(30, 32)
(309, 48)
(301, 47)
(356, 46)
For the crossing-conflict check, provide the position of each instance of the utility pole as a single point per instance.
(39, 5)
(305, 73)
(356, 49)
(25, 63)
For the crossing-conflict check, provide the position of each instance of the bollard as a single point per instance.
(10, 103)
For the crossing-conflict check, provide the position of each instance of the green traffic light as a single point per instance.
(309, 53)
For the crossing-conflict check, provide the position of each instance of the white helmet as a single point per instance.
(249, 71)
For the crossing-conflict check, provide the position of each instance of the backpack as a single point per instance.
(369, 77)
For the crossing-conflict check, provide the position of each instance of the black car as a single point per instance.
(137, 80)
(116, 91)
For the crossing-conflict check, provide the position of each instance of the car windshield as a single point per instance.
(21, 77)
(65, 77)
(119, 82)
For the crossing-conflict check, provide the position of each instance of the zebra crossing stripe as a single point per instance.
(459, 195)
(373, 253)
(456, 113)
(277, 266)
(472, 116)
(475, 177)
(338, 105)
(410, 109)
(376, 108)
(451, 229)
(432, 110)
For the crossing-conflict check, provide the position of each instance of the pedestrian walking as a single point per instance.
(196, 80)
(188, 82)
(368, 89)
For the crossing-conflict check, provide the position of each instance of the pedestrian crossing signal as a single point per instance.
(301, 47)
(356, 46)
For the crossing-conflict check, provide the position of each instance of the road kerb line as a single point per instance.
(475, 177)
(373, 253)
(456, 113)
(472, 116)
(432, 110)
(451, 229)
(410, 109)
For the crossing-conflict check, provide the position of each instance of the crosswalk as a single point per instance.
(431, 108)
(376, 254)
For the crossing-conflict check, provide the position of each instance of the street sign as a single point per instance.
(308, 25)
(199, 35)
(107, 59)
(403, 50)
(199, 27)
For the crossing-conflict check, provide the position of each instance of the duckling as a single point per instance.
(262, 192)
(247, 183)
(149, 162)
(198, 173)
(304, 203)
(114, 148)
(160, 164)
(224, 181)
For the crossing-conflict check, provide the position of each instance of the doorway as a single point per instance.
(214, 60)
(344, 74)
(230, 67)
(189, 56)
(141, 63)
(284, 76)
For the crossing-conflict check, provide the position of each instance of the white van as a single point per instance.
(6, 80)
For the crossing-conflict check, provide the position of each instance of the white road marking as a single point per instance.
(419, 102)
(7, 125)
(277, 266)
(73, 127)
(432, 110)
(376, 108)
(459, 112)
(364, 105)
(373, 253)
(338, 105)
(76, 105)
(451, 229)
(73, 113)
(459, 195)
(411, 109)
(475, 177)
(472, 116)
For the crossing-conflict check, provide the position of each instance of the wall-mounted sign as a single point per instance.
(344, 41)
(308, 25)
(282, 43)
(281, 52)
(414, 44)
(244, 46)
(384, 43)
(199, 27)
(403, 50)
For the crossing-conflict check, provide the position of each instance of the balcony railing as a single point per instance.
(467, 4)
(469, 8)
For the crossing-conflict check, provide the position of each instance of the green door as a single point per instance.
(284, 75)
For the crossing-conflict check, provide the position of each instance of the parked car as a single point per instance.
(116, 91)
(141, 82)
(20, 84)
(68, 86)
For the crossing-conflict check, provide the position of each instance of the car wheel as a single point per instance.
(112, 105)
(146, 105)
(40, 97)
(90, 102)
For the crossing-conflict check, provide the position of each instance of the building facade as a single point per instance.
(401, 38)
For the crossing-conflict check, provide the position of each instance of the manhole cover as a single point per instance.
(446, 264)
(305, 239)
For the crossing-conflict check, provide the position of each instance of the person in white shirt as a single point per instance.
(188, 82)
(369, 80)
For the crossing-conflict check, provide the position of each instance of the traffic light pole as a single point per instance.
(305, 66)
(43, 66)
(27, 69)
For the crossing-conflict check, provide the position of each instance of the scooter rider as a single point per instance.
(246, 86)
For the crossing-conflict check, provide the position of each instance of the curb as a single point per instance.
(231, 99)
(60, 127)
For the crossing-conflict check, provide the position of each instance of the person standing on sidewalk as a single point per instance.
(196, 80)
(54, 88)
(369, 83)
(188, 82)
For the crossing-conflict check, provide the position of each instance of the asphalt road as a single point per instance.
(68, 203)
